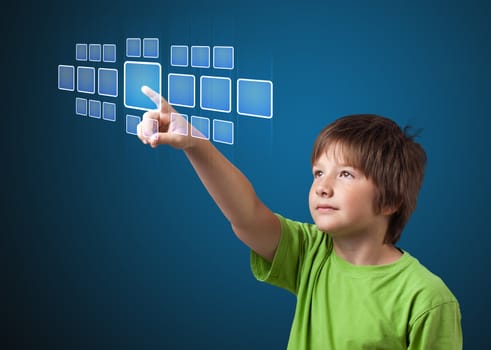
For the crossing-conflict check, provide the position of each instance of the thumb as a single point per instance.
(164, 138)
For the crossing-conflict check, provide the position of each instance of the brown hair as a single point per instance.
(385, 154)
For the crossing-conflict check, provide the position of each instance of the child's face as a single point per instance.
(341, 198)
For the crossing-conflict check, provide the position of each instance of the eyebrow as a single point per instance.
(341, 165)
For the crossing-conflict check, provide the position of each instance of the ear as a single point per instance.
(388, 211)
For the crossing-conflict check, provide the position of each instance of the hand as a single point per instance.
(163, 125)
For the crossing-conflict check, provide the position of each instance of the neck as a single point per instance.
(365, 250)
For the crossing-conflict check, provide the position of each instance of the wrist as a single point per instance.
(195, 145)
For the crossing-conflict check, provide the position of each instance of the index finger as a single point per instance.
(153, 95)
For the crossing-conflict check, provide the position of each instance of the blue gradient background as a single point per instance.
(108, 244)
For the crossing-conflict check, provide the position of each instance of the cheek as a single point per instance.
(311, 196)
(360, 201)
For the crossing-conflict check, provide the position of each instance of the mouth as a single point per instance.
(325, 208)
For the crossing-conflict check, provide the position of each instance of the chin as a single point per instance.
(324, 227)
(328, 225)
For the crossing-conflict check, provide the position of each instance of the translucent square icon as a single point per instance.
(108, 82)
(179, 124)
(133, 47)
(179, 56)
(136, 75)
(109, 111)
(149, 127)
(200, 56)
(81, 106)
(95, 52)
(86, 79)
(151, 47)
(132, 122)
(109, 53)
(255, 98)
(200, 127)
(95, 109)
(223, 131)
(181, 90)
(216, 93)
(223, 57)
(66, 77)
(81, 52)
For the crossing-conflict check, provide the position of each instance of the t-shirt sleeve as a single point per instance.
(296, 240)
(438, 329)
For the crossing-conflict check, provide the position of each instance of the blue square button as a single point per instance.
(223, 131)
(95, 109)
(81, 52)
(181, 90)
(86, 80)
(255, 98)
(66, 77)
(133, 47)
(150, 47)
(179, 56)
(109, 111)
(132, 122)
(223, 57)
(95, 52)
(200, 127)
(216, 93)
(200, 56)
(81, 106)
(109, 53)
(137, 74)
(108, 82)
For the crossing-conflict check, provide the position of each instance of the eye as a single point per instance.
(346, 174)
(317, 174)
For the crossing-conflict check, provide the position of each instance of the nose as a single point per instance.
(324, 188)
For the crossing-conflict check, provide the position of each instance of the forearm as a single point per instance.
(228, 187)
(251, 220)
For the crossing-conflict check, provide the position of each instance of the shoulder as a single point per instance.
(428, 291)
(435, 318)
(301, 233)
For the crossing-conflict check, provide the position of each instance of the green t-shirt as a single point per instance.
(341, 306)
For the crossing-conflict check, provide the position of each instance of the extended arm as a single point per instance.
(251, 220)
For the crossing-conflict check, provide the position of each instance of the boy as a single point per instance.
(355, 289)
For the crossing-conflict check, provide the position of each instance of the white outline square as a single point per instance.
(169, 89)
(73, 77)
(187, 56)
(229, 94)
(104, 104)
(77, 99)
(130, 116)
(147, 40)
(86, 52)
(78, 80)
(192, 128)
(271, 104)
(99, 81)
(184, 116)
(124, 83)
(92, 47)
(233, 57)
(200, 47)
(98, 103)
(226, 122)
(104, 59)
(139, 47)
